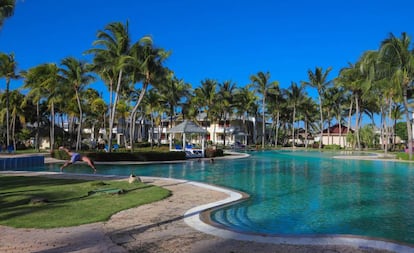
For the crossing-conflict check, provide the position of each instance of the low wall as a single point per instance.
(13, 162)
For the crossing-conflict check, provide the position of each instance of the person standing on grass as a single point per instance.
(74, 157)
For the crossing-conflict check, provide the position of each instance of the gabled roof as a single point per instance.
(335, 130)
(187, 127)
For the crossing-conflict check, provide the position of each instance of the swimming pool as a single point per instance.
(300, 193)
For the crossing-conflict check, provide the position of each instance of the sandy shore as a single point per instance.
(157, 227)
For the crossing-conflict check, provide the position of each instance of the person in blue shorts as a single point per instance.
(74, 157)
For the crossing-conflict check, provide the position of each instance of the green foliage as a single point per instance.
(66, 202)
(401, 130)
(368, 136)
(403, 156)
(332, 147)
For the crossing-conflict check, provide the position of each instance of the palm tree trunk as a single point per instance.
(78, 139)
(112, 119)
(321, 123)
(408, 119)
(7, 112)
(52, 127)
(293, 127)
(135, 109)
(37, 126)
(357, 123)
(264, 120)
(340, 130)
(277, 127)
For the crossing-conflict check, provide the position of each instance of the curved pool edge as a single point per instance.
(198, 218)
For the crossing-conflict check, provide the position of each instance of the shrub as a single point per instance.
(332, 146)
(125, 156)
(136, 156)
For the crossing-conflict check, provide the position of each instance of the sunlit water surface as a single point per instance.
(300, 193)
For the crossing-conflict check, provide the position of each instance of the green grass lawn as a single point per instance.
(68, 202)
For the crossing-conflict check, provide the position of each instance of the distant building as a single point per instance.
(337, 136)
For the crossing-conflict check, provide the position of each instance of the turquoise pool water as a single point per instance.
(300, 193)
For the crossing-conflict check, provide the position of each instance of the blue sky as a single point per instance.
(222, 40)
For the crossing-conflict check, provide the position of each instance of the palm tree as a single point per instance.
(351, 79)
(205, 97)
(152, 102)
(309, 111)
(225, 95)
(245, 104)
(33, 79)
(262, 84)
(17, 112)
(8, 68)
(173, 91)
(397, 52)
(275, 104)
(52, 88)
(6, 10)
(75, 73)
(294, 97)
(148, 69)
(111, 56)
(318, 80)
(396, 114)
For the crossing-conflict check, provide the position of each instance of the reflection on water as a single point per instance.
(301, 192)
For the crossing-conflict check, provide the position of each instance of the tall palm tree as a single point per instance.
(152, 102)
(52, 86)
(33, 79)
(8, 68)
(397, 52)
(225, 94)
(275, 104)
(75, 73)
(245, 105)
(173, 92)
(147, 61)
(6, 10)
(16, 113)
(111, 56)
(261, 82)
(205, 97)
(309, 111)
(396, 114)
(294, 97)
(319, 80)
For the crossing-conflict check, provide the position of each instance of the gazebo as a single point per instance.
(187, 127)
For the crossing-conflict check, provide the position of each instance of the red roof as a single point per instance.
(335, 130)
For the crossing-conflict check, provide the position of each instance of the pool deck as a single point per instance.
(172, 225)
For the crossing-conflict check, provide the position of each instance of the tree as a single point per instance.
(205, 98)
(75, 73)
(111, 56)
(150, 70)
(275, 104)
(8, 68)
(397, 52)
(245, 105)
(261, 83)
(152, 103)
(173, 91)
(6, 10)
(294, 97)
(225, 101)
(318, 80)
(33, 80)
